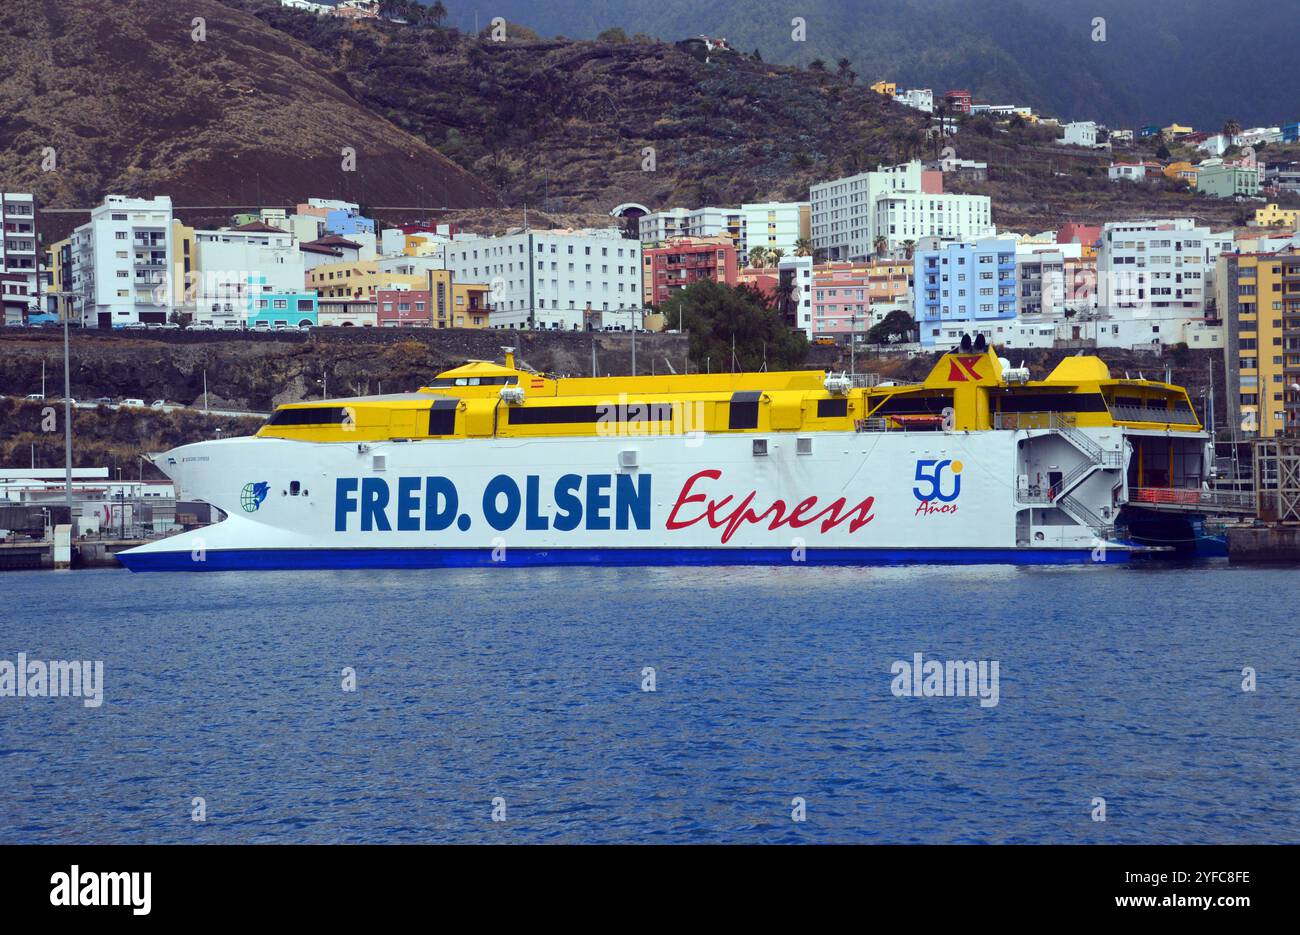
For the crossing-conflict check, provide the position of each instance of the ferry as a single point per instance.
(496, 464)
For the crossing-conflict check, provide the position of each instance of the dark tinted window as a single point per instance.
(743, 410)
(830, 408)
(317, 415)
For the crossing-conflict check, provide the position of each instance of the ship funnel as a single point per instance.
(509, 353)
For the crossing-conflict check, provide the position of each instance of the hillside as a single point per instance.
(1200, 61)
(560, 126)
(132, 105)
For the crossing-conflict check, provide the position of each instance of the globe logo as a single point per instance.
(251, 497)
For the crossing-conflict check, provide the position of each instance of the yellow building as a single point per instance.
(356, 279)
(1176, 129)
(185, 273)
(1259, 298)
(887, 88)
(58, 265)
(1181, 170)
(1273, 216)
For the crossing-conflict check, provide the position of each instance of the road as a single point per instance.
(167, 407)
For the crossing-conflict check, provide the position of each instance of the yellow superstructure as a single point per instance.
(964, 392)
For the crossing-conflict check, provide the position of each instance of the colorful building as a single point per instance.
(848, 298)
(279, 309)
(958, 100)
(678, 263)
(1087, 235)
(1273, 216)
(441, 303)
(1181, 170)
(1228, 179)
(356, 279)
(1259, 299)
(963, 288)
(887, 88)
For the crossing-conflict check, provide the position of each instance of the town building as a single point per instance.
(122, 262)
(551, 278)
(249, 276)
(958, 101)
(678, 263)
(898, 204)
(921, 99)
(357, 279)
(1228, 178)
(887, 88)
(1259, 297)
(774, 225)
(850, 298)
(659, 227)
(440, 303)
(1154, 279)
(20, 269)
(1086, 235)
(1272, 216)
(963, 287)
(1081, 133)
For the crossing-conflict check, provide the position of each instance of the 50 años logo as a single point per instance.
(938, 485)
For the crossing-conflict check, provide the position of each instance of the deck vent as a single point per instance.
(627, 458)
(760, 448)
(803, 446)
(379, 462)
(838, 384)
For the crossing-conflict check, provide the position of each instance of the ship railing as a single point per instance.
(1076, 509)
(1232, 500)
(1067, 425)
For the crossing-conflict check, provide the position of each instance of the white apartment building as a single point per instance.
(548, 279)
(1153, 280)
(660, 226)
(235, 270)
(799, 269)
(900, 203)
(20, 267)
(773, 225)
(122, 262)
(921, 99)
(1081, 133)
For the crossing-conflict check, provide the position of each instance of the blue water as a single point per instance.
(525, 684)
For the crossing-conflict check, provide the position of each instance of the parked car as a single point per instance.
(104, 401)
(158, 404)
(36, 397)
(135, 403)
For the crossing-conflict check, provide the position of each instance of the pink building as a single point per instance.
(851, 297)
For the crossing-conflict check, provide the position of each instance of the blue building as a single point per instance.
(1291, 133)
(267, 310)
(344, 222)
(964, 288)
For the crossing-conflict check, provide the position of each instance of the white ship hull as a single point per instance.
(851, 498)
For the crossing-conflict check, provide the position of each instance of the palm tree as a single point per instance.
(758, 257)
(1231, 128)
(880, 244)
(774, 256)
(817, 65)
(803, 247)
(909, 247)
(842, 68)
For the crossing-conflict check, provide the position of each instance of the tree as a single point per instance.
(880, 244)
(774, 256)
(803, 247)
(716, 314)
(817, 65)
(843, 68)
(436, 13)
(758, 257)
(909, 248)
(1231, 128)
(897, 326)
(613, 34)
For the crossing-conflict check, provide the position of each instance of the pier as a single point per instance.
(86, 553)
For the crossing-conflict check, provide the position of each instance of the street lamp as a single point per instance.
(67, 403)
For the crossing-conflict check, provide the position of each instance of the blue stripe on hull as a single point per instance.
(304, 559)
